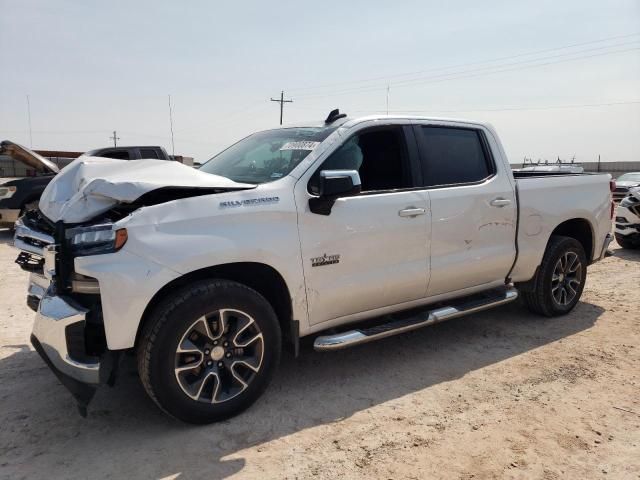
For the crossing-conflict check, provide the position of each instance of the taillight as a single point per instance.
(612, 188)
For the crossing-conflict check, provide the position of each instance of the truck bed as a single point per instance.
(546, 199)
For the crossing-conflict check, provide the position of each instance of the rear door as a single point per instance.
(473, 207)
(371, 251)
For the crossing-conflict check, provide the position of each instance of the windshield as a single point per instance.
(629, 177)
(266, 156)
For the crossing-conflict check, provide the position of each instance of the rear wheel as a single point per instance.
(625, 242)
(560, 280)
(209, 351)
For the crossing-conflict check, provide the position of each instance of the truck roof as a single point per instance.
(351, 121)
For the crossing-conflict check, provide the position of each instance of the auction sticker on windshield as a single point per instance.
(304, 145)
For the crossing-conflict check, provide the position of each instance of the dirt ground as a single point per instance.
(502, 394)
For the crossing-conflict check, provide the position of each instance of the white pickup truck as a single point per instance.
(349, 230)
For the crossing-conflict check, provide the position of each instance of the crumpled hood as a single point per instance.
(90, 186)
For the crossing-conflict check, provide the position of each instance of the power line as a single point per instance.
(466, 64)
(505, 109)
(525, 62)
(466, 74)
(281, 101)
(115, 139)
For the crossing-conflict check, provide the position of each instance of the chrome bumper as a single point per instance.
(52, 328)
(59, 329)
(38, 286)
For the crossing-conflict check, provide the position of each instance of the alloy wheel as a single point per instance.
(566, 278)
(219, 355)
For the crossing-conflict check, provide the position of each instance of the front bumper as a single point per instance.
(58, 324)
(68, 335)
(8, 216)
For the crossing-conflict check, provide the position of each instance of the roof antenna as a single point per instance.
(334, 115)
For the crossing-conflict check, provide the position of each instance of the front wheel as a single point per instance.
(560, 280)
(209, 351)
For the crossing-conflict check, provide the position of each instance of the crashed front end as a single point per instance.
(68, 330)
(89, 292)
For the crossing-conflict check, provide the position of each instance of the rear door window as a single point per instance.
(117, 154)
(452, 156)
(148, 153)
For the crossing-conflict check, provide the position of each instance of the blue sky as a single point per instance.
(91, 67)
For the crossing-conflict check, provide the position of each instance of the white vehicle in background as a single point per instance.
(624, 183)
(558, 168)
(627, 230)
(289, 233)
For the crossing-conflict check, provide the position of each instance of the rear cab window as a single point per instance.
(453, 155)
(117, 154)
(149, 153)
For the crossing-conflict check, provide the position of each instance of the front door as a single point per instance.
(371, 251)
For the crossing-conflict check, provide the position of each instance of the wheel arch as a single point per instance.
(581, 230)
(261, 277)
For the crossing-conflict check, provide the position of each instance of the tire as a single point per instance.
(547, 298)
(213, 376)
(626, 243)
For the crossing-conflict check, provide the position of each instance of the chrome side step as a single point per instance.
(466, 306)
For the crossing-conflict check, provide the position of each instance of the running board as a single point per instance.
(466, 306)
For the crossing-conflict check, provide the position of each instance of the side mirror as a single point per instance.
(334, 184)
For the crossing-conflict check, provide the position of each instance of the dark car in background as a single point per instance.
(130, 153)
(22, 194)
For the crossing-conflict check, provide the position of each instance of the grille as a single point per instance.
(35, 220)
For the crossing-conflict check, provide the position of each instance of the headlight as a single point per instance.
(7, 192)
(96, 239)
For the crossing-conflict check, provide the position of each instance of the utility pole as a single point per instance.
(388, 88)
(281, 101)
(173, 146)
(115, 139)
(29, 117)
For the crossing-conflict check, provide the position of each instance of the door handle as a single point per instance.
(500, 202)
(412, 212)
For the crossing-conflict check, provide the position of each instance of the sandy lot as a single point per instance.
(503, 394)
